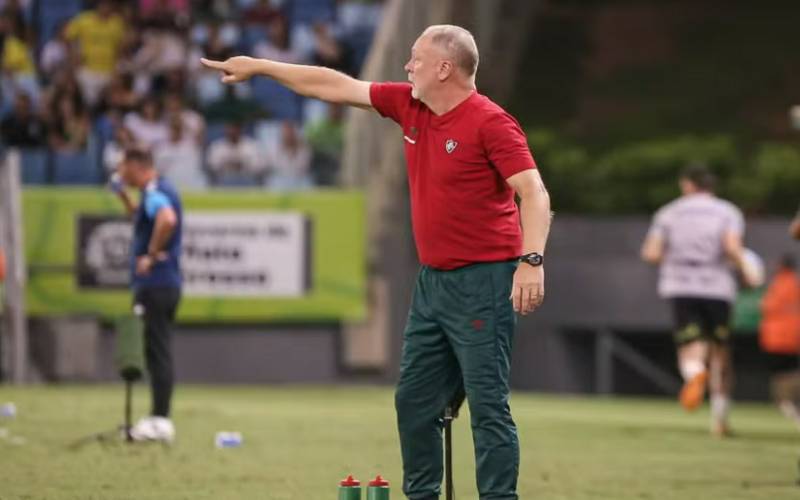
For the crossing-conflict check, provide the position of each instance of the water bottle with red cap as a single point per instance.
(350, 489)
(378, 489)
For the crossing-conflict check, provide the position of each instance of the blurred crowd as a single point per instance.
(82, 80)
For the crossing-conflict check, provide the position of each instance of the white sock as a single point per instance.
(789, 410)
(720, 406)
(690, 368)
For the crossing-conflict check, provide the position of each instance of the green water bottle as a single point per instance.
(378, 489)
(350, 489)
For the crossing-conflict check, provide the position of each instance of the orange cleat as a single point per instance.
(693, 392)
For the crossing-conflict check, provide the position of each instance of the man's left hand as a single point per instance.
(527, 290)
(144, 263)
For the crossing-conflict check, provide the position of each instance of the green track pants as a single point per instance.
(459, 331)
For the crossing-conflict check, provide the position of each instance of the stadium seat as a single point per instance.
(75, 168)
(303, 39)
(208, 88)
(33, 163)
(311, 11)
(50, 13)
(251, 36)
(359, 42)
(104, 128)
(268, 134)
(314, 110)
(198, 34)
(245, 4)
(214, 131)
(280, 102)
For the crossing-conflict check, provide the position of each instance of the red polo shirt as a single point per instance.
(462, 209)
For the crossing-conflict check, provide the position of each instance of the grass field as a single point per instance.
(300, 441)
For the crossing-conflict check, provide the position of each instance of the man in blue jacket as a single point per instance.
(155, 279)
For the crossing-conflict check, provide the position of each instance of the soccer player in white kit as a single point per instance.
(697, 241)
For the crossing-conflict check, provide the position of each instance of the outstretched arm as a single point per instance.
(310, 81)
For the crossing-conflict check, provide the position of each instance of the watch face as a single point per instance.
(533, 259)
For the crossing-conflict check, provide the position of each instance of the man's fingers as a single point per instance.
(516, 298)
(538, 296)
(532, 297)
(527, 299)
(212, 64)
(227, 77)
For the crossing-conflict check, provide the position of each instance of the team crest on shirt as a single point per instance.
(450, 146)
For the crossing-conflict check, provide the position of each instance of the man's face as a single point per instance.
(233, 133)
(172, 104)
(423, 67)
(129, 172)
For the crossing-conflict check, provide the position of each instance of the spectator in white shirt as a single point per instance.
(55, 54)
(277, 47)
(194, 125)
(290, 161)
(147, 125)
(235, 154)
(178, 158)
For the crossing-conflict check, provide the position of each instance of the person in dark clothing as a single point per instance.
(155, 279)
(22, 127)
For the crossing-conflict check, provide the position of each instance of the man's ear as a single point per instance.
(446, 68)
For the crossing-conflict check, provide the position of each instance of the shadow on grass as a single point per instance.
(789, 483)
(759, 436)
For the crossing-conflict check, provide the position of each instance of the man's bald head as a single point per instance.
(457, 43)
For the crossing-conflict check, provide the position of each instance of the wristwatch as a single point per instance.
(533, 258)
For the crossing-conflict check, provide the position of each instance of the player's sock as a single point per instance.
(690, 368)
(790, 411)
(720, 407)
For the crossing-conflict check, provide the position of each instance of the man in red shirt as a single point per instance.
(481, 255)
